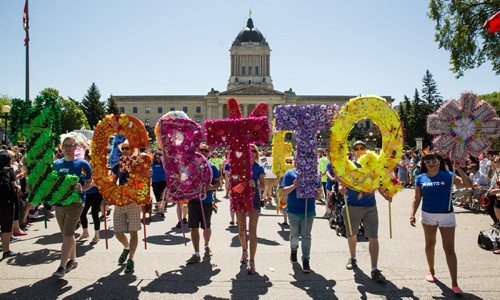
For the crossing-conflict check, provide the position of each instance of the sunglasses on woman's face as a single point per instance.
(430, 161)
(203, 150)
(125, 148)
(359, 148)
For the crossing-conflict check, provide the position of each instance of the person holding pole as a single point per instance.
(301, 213)
(433, 188)
(201, 216)
(126, 217)
(68, 216)
(362, 207)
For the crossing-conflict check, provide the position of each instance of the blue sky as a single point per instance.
(130, 47)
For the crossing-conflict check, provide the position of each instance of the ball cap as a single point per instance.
(358, 142)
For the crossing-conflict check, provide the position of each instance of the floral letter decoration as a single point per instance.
(307, 121)
(237, 133)
(137, 187)
(281, 151)
(188, 172)
(463, 127)
(376, 169)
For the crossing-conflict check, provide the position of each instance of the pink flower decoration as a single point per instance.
(463, 127)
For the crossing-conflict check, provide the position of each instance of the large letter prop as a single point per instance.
(188, 172)
(281, 151)
(307, 121)
(237, 134)
(138, 185)
(463, 127)
(376, 169)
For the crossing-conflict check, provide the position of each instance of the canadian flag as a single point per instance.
(493, 23)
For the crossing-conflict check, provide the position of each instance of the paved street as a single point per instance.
(161, 272)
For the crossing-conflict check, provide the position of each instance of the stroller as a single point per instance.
(336, 220)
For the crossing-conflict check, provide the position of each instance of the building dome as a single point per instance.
(250, 34)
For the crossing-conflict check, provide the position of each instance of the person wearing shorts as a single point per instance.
(433, 188)
(362, 208)
(195, 215)
(68, 216)
(126, 218)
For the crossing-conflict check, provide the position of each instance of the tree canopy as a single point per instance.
(459, 29)
(92, 107)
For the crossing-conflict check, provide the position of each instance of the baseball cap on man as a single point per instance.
(358, 142)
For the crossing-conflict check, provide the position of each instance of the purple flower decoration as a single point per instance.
(463, 127)
(306, 121)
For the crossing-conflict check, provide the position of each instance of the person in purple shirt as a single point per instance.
(433, 187)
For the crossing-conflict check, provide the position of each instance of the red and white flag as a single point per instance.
(25, 15)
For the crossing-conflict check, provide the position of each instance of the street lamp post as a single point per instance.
(5, 111)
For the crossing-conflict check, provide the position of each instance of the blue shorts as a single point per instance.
(256, 201)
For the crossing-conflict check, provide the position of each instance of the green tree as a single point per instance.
(19, 115)
(459, 29)
(403, 116)
(72, 117)
(408, 125)
(418, 119)
(111, 106)
(430, 92)
(91, 105)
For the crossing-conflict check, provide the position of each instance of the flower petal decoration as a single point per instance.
(306, 121)
(463, 127)
(376, 169)
(237, 133)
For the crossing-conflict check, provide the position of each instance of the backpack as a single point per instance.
(489, 239)
(6, 188)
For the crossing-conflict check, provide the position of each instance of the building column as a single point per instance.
(245, 110)
(270, 112)
(221, 112)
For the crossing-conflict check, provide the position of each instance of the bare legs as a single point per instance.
(448, 237)
(252, 226)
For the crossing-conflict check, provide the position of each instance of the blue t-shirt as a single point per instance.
(436, 192)
(297, 206)
(256, 171)
(78, 167)
(329, 182)
(356, 198)
(122, 176)
(215, 175)
(158, 173)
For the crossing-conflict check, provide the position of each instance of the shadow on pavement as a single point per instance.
(48, 288)
(38, 257)
(285, 234)
(186, 280)
(235, 241)
(369, 286)
(249, 286)
(315, 285)
(112, 286)
(448, 294)
(167, 239)
(54, 238)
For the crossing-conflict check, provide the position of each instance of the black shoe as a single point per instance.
(179, 225)
(71, 265)
(351, 263)
(293, 256)
(193, 260)
(305, 266)
(185, 221)
(130, 266)
(9, 254)
(377, 276)
(123, 256)
(59, 272)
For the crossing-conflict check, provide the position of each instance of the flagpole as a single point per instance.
(26, 29)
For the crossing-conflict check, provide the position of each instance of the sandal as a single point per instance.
(456, 290)
(251, 267)
(497, 251)
(430, 278)
(244, 257)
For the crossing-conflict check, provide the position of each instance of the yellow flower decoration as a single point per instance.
(281, 151)
(376, 169)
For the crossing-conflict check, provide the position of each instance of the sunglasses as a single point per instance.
(69, 145)
(204, 150)
(126, 148)
(430, 161)
(254, 151)
(359, 148)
